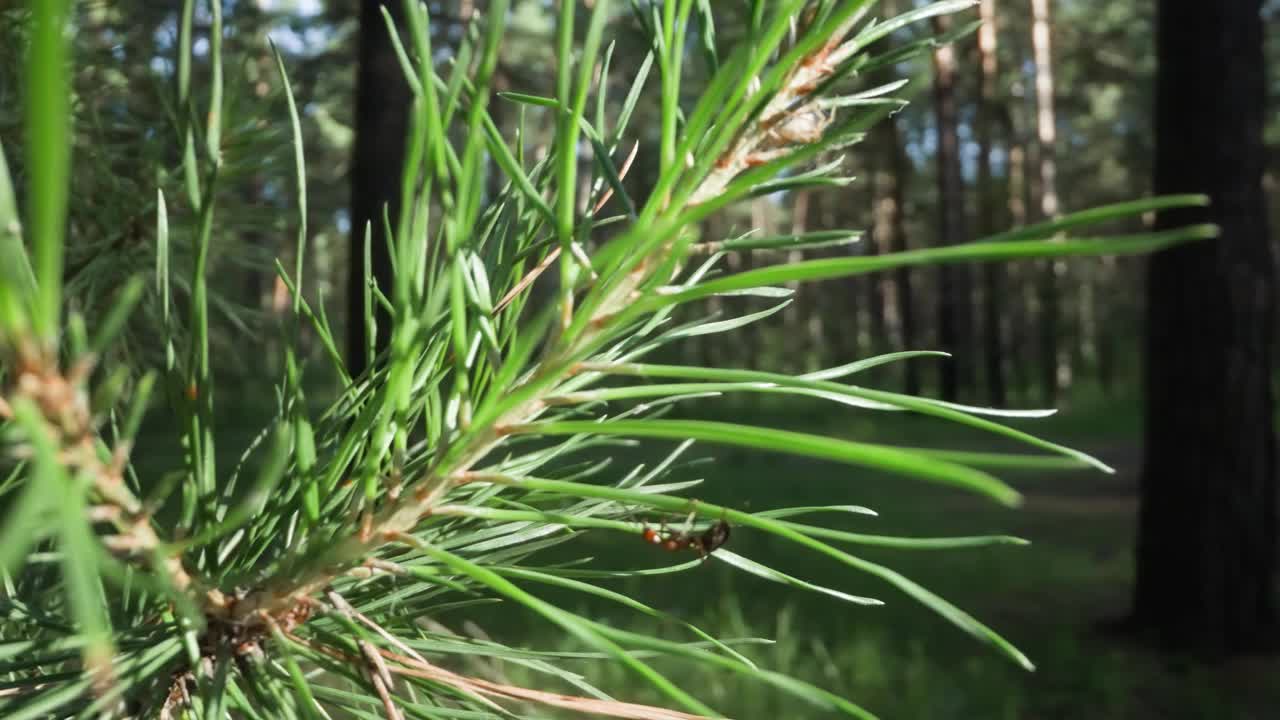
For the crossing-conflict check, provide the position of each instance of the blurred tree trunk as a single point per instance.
(255, 278)
(381, 122)
(1020, 308)
(955, 322)
(877, 286)
(1110, 324)
(1206, 573)
(1046, 133)
(1086, 280)
(895, 223)
(992, 273)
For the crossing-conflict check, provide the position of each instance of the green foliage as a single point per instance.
(432, 481)
(1047, 596)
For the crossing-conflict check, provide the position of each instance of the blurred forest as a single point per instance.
(1048, 108)
(1042, 112)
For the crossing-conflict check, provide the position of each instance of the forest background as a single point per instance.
(1050, 107)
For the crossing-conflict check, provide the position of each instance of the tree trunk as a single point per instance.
(1111, 324)
(895, 222)
(1206, 554)
(992, 273)
(1018, 310)
(382, 110)
(1048, 176)
(876, 286)
(955, 323)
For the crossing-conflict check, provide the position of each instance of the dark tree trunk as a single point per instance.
(1019, 310)
(255, 280)
(1110, 324)
(955, 322)
(1047, 293)
(895, 195)
(993, 301)
(876, 285)
(1207, 538)
(382, 110)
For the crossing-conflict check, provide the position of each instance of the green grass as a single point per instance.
(900, 660)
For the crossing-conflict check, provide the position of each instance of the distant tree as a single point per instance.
(1206, 575)
(1047, 135)
(381, 123)
(955, 316)
(895, 225)
(993, 303)
(1018, 313)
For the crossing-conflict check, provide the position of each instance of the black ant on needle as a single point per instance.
(705, 542)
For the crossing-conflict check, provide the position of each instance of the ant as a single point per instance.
(705, 543)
